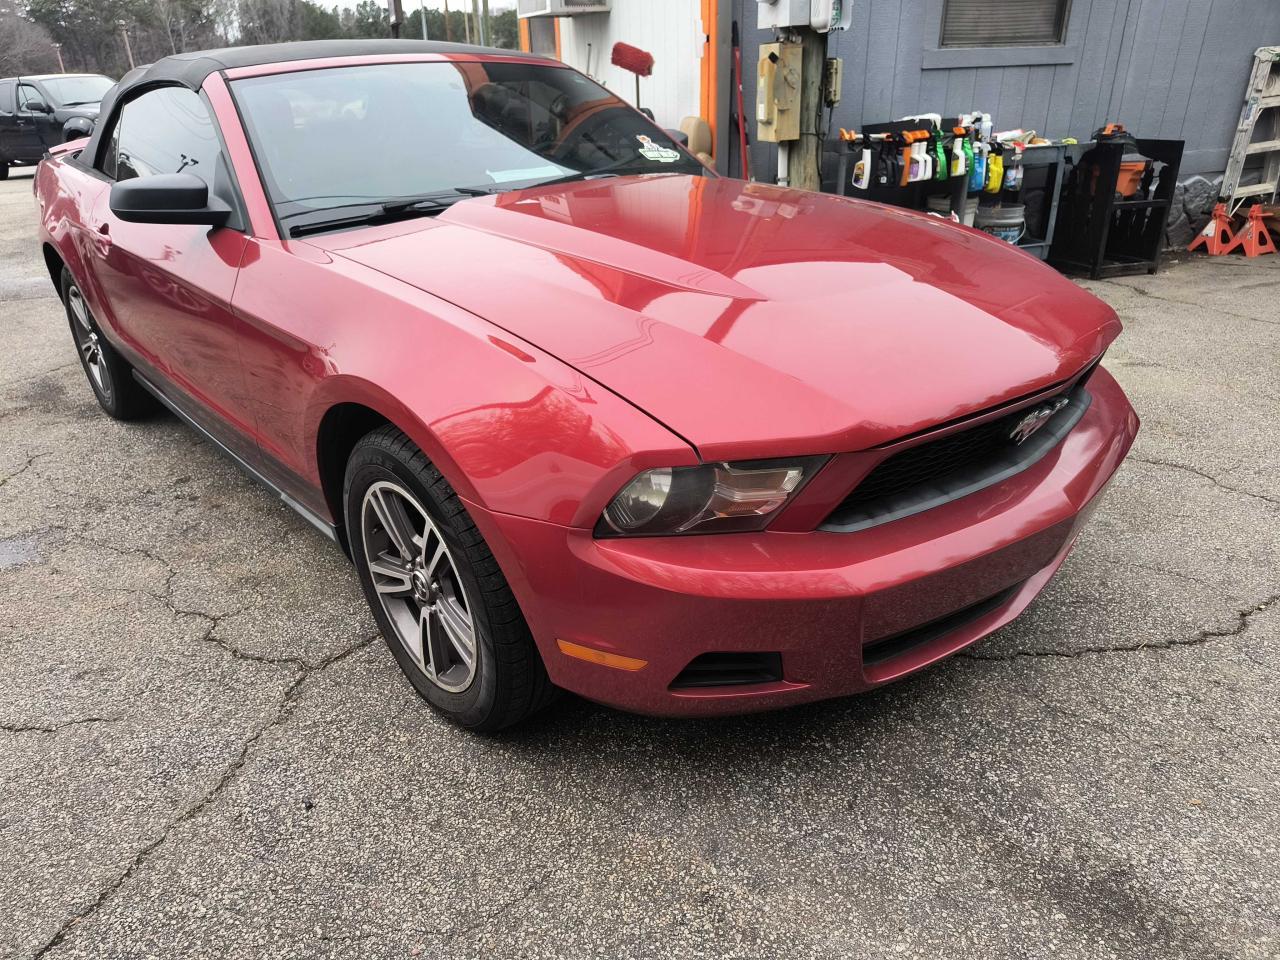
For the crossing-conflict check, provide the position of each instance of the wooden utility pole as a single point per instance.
(806, 155)
(128, 49)
(488, 25)
(448, 30)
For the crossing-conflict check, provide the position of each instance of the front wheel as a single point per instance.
(439, 598)
(4, 170)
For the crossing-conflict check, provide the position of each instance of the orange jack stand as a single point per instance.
(1253, 236)
(1216, 235)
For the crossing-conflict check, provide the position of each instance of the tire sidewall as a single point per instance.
(370, 464)
(111, 369)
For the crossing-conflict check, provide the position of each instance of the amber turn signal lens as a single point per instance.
(592, 655)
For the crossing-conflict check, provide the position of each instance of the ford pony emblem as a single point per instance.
(1036, 419)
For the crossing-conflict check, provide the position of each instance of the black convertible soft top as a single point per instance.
(191, 69)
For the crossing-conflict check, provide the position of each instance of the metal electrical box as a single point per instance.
(782, 13)
(778, 92)
(820, 15)
(828, 15)
(557, 8)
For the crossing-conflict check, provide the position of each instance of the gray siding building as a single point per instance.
(1173, 69)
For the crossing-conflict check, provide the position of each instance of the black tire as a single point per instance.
(509, 682)
(4, 170)
(110, 376)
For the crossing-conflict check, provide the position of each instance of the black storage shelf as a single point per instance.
(1100, 234)
(1046, 162)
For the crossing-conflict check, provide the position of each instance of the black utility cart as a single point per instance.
(1115, 206)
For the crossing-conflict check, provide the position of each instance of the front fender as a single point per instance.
(513, 429)
(342, 389)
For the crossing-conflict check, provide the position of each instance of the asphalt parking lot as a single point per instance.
(204, 752)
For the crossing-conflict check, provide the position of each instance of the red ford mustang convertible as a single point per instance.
(584, 414)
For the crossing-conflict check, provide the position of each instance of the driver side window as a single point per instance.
(168, 130)
(27, 94)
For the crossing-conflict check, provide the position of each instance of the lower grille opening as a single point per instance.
(729, 669)
(878, 651)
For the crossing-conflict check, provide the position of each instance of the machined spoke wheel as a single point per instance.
(439, 597)
(109, 374)
(87, 342)
(417, 583)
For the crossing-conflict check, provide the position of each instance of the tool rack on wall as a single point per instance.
(911, 195)
(1043, 170)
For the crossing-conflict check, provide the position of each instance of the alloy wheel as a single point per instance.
(87, 341)
(417, 584)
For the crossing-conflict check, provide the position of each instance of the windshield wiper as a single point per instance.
(385, 211)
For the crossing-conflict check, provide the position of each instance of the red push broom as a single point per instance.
(634, 60)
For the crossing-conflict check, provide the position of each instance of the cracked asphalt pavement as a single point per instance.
(204, 752)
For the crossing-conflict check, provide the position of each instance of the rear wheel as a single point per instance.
(440, 600)
(109, 374)
(4, 170)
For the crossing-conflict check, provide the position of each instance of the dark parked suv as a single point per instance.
(38, 112)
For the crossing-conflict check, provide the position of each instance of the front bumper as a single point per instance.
(816, 597)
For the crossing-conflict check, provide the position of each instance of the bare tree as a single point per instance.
(25, 47)
(268, 21)
(170, 16)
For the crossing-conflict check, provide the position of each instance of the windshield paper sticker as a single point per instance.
(651, 151)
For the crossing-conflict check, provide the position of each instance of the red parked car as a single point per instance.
(584, 414)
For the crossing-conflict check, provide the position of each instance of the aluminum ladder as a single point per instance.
(1259, 117)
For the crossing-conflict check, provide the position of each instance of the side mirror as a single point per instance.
(36, 105)
(167, 198)
(77, 127)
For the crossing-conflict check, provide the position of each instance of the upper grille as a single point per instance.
(937, 471)
(934, 461)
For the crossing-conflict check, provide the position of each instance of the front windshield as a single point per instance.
(73, 91)
(335, 137)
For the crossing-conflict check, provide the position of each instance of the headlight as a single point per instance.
(709, 498)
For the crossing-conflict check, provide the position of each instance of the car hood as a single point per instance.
(89, 111)
(753, 320)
